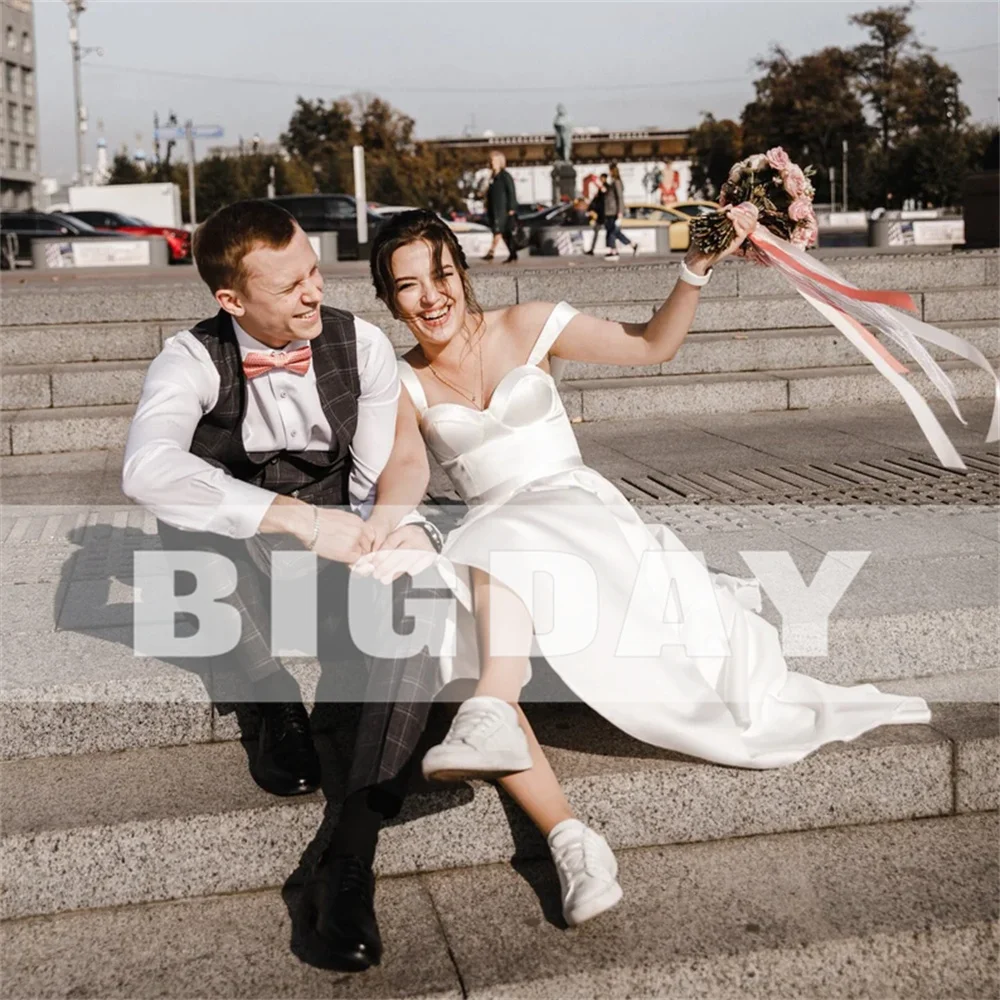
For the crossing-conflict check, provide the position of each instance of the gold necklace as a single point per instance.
(457, 388)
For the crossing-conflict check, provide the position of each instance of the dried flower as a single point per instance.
(777, 188)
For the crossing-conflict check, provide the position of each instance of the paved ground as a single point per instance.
(628, 449)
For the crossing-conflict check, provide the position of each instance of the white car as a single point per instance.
(474, 239)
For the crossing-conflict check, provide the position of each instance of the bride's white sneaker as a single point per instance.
(484, 741)
(588, 871)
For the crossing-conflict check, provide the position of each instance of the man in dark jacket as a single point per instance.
(501, 206)
(596, 210)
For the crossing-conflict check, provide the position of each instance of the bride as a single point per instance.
(481, 389)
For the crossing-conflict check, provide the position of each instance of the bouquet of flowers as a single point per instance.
(780, 191)
(871, 320)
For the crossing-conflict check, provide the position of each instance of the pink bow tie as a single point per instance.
(257, 363)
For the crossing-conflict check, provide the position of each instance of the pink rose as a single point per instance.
(778, 158)
(756, 162)
(803, 236)
(795, 181)
(800, 210)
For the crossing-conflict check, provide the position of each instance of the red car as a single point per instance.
(179, 240)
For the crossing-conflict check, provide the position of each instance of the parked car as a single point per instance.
(326, 213)
(25, 227)
(695, 208)
(643, 216)
(179, 240)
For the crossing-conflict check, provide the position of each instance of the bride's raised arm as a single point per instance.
(600, 341)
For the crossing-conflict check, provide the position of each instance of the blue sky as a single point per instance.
(500, 66)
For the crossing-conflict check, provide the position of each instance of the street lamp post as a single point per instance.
(843, 175)
(76, 8)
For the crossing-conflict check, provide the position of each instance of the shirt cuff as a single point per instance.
(242, 509)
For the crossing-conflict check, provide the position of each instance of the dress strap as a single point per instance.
(558, 320)
(409, 378)
(554, 325)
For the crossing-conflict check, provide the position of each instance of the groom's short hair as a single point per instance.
(224, 239)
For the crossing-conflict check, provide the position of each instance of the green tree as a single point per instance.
(810, 107)
(714, 146)
(222, 180)
(321, 136)
(399, 170)
(920, 124)
(124, 170)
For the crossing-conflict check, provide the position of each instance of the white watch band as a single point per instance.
(698, 280)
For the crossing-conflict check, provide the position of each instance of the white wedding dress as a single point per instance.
(518, 467)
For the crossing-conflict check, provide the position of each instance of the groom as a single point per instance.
(266, 427)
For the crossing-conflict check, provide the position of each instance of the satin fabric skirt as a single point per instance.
(722, 693)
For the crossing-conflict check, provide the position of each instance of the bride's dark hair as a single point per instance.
(409, 227)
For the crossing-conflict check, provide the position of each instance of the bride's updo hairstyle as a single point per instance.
(411, 227)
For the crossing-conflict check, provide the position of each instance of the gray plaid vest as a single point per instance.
(315, 476)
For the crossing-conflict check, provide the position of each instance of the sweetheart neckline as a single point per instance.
(493, 395)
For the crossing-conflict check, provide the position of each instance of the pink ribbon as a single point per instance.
(887, 312)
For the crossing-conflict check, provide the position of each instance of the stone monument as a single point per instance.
(563, 172)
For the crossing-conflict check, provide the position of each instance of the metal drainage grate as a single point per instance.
(907, 480)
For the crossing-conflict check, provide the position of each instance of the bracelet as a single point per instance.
(698, 280)
(315, 535)
(433, 533)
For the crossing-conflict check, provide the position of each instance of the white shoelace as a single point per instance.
(579, 857)
(469, 723)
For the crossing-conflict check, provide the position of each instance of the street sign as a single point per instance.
(169, 133)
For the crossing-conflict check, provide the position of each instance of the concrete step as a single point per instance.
(182, 296)
(923, 603)
(110, 829)
(62, 428)
(108, 383)
(744, 314)
(897, 909)
(91, 694)
(780, 389)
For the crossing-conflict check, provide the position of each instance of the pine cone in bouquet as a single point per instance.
(782, 194)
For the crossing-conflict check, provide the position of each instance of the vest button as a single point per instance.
(295, 493)
(274, 461)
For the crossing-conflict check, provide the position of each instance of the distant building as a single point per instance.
(654, 162)
(589, 146)
(19, 173)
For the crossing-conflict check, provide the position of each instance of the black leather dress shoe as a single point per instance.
(285, 761)
(340, 898)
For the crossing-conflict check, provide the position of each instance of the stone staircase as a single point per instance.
(73, 358)
(138, 859)
(867, 870)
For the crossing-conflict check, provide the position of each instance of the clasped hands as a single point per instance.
(374, 547)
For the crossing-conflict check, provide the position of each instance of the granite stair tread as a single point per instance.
(895, 909)
(109, 829)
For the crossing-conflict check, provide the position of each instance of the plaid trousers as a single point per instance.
(398, 690)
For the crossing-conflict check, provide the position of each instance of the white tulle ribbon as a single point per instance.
(851, 309)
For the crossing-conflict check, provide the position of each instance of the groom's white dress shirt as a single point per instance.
(284, 412)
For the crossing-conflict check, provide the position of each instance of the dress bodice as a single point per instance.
(523, 435)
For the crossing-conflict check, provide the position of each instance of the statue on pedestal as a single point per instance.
(563, 128)
(563, 172)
